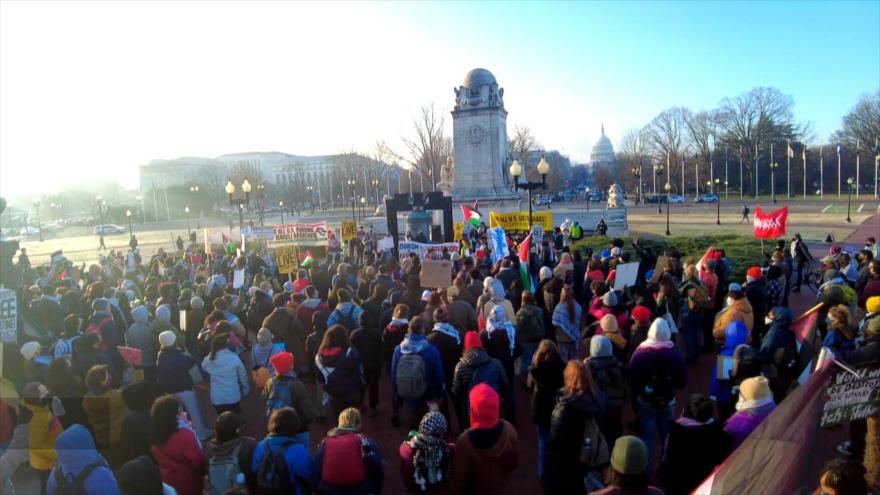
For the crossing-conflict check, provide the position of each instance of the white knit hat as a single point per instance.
(659, 330)
(167, 338)
(30, 349)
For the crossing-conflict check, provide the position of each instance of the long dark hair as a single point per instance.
(164, 415)
(335, 336)
(567, 297)
(218, 344)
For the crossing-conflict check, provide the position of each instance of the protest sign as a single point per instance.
(131, 355)
(659, 268)
(8, 332)
(425, 251)
(498, 243)
(285, 257)
(304, 234)
(625, 275)
(457, 231)
(851, 398)
(238, 279)
(537, 235)
(724, 365)
(349, 230)
(518, 221)
(183, 314)
(258, 233)
(385, 244)
(436, 273)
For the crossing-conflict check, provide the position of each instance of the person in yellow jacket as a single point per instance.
(43, 431)
(738, 308)
(105, 409)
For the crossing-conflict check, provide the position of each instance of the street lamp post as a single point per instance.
(637, 173)
(587, 192)
(773, 167)
(717, 203)
(261, 201)
(230, 190)
(376, 186)
(849, 183)
(516, 170)
(363, 208)
(188, 230)
(668, 188)
(39, 224)
(101, 217)
(311, 191)
(130, 232)
(658, 171)
(351, 183)
(281, 205)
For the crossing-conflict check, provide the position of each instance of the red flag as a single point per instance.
(770, 225)
(709, 256)
(804, 325)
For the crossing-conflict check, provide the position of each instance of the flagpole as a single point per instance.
(772, 173)
(726, 149)
(788, 168)
(697, 176)
(838, 170)
(319, 192)
(756, 170)
(805, 170)
(683, 166)
(821, 172)
(740, 172)
(858, 167)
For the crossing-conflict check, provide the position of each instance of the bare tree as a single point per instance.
(428, 146)
(521, 143)
(602, 178)
(861, 123)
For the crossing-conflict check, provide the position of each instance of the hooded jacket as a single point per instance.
(342, 310)
(545, 377)
(137, 425)
(76, 451)
(448, 342)
(105, 411)
(418, 344)
(563, 469)
(287, 328)
(307, 309)
(181, 462)
(392, 336)
(229, 379)
(347, 370)
(530, 321)
(172, 371)
(44, 430)
(246, 446)
(373, 468)
(735, 334)
(140, 337)
(740, 310)
(651, 360)
(462, 315)
(779, 336)
(464, 372)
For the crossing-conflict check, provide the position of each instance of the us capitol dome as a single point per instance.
(603, 150)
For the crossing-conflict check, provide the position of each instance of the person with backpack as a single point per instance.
(545, 380)
(416, 374)
(346, 461)
(530, 329)
(346, 313)
(101, 322)
(394, 332)
(426, 457)
(368, 341)
(487, 452)
(80, 469)
(230, 455)
(656, 370)
(475, 367)
(140, 337)
(281, 465)
(229, 379)
(287, 329)
(175, 447)
(576, 446)
(339, 370)
(447, 340)
(697, 443)
(286, 390)
(609, 377)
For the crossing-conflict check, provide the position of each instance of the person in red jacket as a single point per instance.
(175, 447)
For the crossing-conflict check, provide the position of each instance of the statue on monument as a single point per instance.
(615, 199)
(447, 175)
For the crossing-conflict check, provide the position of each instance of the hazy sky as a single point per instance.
(95, 89)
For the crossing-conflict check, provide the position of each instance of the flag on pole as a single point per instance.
(790, 151)
(470, 216)
(709, 256)
(840, 150)
(308, 260)
(524, 275)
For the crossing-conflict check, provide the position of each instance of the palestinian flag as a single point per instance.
(308, 260)
(471, 216)
(226, 239)
(524, 275)
(709, 256)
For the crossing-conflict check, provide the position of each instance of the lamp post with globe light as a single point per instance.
(37, 206)
(668, 188)
(773, 167)
(311, 191)
(188, 229)
(587, 192)
(130, 232)
(717, 203)
(849, 189)
(363, 208)
(637, 173)
(516, 170)
(230, 190)
(101, 204)
(281, 205)
(658, 171)
(351, 183)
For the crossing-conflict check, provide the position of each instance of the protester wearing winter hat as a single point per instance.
(630, 469)
(609, 328)
(608, 373)
(756, 293)
(263, 351)
(475, 364)
(80, 464)
(488, 451)
(754, 405)
(641, 322)
(426, 457)
(738, 308)
(140, 337)
(656, 370)
(462, 314)
(173, 377)
(44, 429)
(498, 297)
(33, 371)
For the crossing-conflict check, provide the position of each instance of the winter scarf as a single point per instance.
(431, 454)
(447, 329)
(498, 322)
(743, 405)
(561, 320)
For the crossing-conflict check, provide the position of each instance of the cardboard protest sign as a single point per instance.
(305, 234)
(659, 268)
(8, 312)
(625, 275)
(537, 234)
(349, 230)
(850, 397)
(285, 257)
(457, 231)
(498, 243)
(436, 273)
(518, 221)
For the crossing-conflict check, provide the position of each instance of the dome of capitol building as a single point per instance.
(603, 150)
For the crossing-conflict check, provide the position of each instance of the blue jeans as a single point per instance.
(651, 422)
(797, 273)
(543, 436)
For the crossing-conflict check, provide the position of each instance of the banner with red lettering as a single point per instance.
(770, 225)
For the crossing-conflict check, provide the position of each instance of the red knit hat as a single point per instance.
(755, 273)
(472, 340)
(641, 314)
(485, 406)
(282, 362)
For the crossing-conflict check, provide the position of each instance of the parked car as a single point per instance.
(656, 198)
(676, 199)
(29, 230)
(543, 199)
(595, 197)
(109, 229)
(706, 198)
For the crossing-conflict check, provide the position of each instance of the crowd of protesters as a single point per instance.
(113, 354)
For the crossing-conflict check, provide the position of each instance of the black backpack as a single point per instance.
(610, 380)
(76, 487)
(273, 477)
(658, 390)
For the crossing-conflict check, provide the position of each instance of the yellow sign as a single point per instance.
(349, 230)
(457, 231)
(518, 221)
(285, 256)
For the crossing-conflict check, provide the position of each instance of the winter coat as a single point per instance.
(181, 462)
(464, 372)
(779, 336)
(693, 450)
(140, 337)
(545, 377)
(497, 345)
(307, 309)
(744, 422)
(172, 371)
(301, 401)
(259, 307)
(756, 293)
(76, 451)
(106, 412)
(484, 459)
(346, 362)
(43, 432)
(449, 347)
(299, 463)
(246, 447)
(646, 362)
(407, 472)
(509, 313)
(740, 310)
(736, 334)
(392, 336)
(471, 293)
(229, 379)
(418, 344)
(373, 469)
(462, 316)
(529, 321)
(564, 472)
(343, 310)
(368, 342)
(286, 328)
(136, 430)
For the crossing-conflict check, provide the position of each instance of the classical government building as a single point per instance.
(603, 151)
